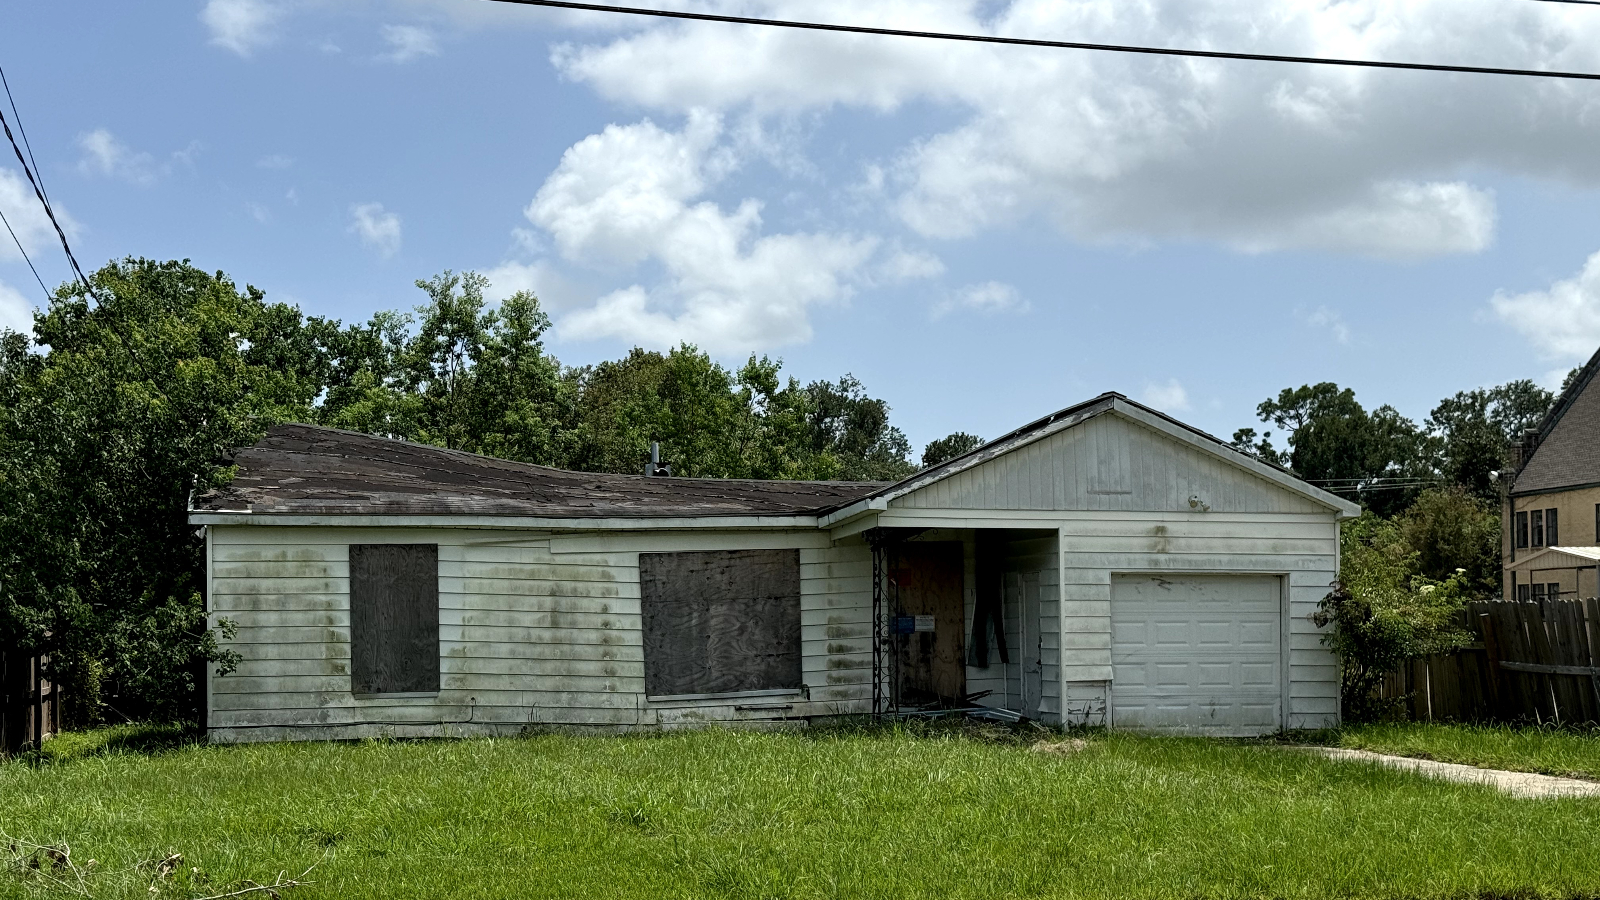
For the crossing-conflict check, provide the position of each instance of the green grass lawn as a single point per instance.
(1552, 751)
(829, 813)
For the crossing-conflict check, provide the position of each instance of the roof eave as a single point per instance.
(531, 523)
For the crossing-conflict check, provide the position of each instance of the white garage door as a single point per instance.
(1196, 653)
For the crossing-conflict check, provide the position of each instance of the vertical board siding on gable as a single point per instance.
(1106, 463)
(526, 635)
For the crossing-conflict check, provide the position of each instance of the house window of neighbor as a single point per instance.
(1536, 517)
(1524, 592)
(720, 622)
(394, 618)
(1522, 527)
(1550, 538)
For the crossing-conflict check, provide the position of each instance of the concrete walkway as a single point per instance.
(1517, 784)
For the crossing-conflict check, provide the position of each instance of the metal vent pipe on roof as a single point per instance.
(654, 466)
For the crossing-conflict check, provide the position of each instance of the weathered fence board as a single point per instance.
(30, 706)
(1529, 661)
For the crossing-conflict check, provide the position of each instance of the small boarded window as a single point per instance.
(394, 618)
(720, 622)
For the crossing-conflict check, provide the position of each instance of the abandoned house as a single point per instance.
(1103, 565)
(1550, 528)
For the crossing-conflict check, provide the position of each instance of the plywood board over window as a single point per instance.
(721, 621)
(394, 618)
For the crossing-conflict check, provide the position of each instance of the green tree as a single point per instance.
(1380, 458)
(682, 398)
(1476, 430)
(137, 397)
(468, 377)
(850, 434)
(949, 447)
(1452, 530)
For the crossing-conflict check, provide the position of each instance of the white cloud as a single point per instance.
(988, 298)
(1332, 320)
(26, 216)
(16, 313)
(910, 265)
(241, 25)
(106, 155)
(377, 228)
(275, 161)
(259, 212)
(1257, 157)
(408, 42)
(1169, 397)
(632, 193)
(1563, 321)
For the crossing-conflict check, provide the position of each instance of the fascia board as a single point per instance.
(222, 517)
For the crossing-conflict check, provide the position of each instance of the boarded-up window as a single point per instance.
(720, 622)
(394, 618)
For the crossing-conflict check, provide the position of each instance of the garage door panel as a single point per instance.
(1196, 653)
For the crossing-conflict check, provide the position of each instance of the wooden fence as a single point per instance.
(30, 706)
(1533, 661)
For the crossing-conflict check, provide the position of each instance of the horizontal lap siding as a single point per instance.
(1089, 560)
(526, 635)
(836, 612)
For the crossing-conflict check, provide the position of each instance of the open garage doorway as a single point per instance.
(967, 620)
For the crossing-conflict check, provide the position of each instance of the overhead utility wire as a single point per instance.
(1059, 45)
(24, 253)
(23, 129)
(37, 192)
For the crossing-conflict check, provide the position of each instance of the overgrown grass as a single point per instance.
(1551, 751)
(834, 813)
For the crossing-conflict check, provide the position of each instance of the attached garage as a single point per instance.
(1197, 652)
(1104, 565)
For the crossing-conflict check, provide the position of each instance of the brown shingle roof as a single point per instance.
(309, 470)
(1568, 452)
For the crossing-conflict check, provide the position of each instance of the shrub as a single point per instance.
(1383, 612)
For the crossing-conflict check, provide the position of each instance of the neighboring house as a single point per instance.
(1550, 533)
(1104, 565)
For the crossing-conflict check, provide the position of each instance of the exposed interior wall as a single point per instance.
(1025, 564)
(535, 629)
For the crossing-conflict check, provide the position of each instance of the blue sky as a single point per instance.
(980, 234)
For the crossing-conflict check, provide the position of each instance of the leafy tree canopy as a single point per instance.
(949, 447)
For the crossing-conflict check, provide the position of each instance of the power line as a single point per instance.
(25, 255)
(37, 192)
(1059, 45)
(1574, 2)
(24, 130)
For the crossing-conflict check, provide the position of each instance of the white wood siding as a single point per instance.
(533, 631)
(1107, 463)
